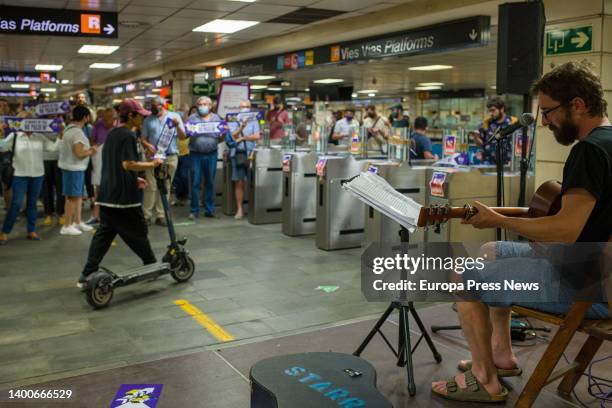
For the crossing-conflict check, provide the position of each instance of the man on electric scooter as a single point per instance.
(119, 200)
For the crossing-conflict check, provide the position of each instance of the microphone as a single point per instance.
(526, 119)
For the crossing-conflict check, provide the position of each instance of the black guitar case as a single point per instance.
(317, 380)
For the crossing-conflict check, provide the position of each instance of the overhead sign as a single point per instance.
(571, 40)
(46, 21)
(30, 77)
(452, 35)
(449, 36)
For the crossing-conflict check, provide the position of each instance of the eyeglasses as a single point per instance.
(546, 112)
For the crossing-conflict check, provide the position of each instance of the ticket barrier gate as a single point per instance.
(265, 179)
(464, 186)
(340, 215)
(408, 180)
(299, 202)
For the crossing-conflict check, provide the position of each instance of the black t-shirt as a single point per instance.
(119, 187)
(589, 166)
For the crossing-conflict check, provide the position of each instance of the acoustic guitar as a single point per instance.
(546, 201)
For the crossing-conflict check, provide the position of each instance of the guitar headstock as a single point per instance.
(433, 215)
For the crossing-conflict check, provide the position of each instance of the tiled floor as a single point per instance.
(219, 376)
(250, 279)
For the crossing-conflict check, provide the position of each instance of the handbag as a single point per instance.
(242, 157)
(8, 170)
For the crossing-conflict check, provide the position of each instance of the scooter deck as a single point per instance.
(143, 273)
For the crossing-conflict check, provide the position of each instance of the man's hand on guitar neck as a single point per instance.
(484, 218)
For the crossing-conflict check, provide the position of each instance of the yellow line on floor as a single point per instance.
(209, 324)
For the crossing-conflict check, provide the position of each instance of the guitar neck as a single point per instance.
(461, 212)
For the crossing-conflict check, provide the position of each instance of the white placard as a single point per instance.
(230, 96)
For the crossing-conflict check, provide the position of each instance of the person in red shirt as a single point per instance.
(277, 117)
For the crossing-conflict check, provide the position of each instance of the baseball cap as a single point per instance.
(132, 105)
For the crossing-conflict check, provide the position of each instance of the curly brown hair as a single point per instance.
(571, 80)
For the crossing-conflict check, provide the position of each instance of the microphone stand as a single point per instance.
(499, 164)
(524, 162)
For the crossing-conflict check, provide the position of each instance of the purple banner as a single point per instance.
(16, 124)
(198, 128)
(52, 108)
(137, 395)
(240, 116)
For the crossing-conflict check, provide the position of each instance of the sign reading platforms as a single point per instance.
(45, 21)
(570, 40)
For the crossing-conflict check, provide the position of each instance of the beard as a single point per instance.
(566, 133)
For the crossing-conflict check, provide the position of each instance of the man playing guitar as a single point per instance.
(572, 104)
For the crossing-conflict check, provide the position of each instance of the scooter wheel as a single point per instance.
(185, 271)
(100, 292)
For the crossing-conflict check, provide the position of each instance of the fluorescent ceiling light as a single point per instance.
(307, 90)
(259, 86)
(431, 84)
(225, 26)
(426, 88)
(262, 77)
(156, 90)
(430, 68)
(20, 86)
(65, 81)
(328, 81)
(354, 95)
(48, 67)
(151, 96)
(139, 97)
(98, 49)
(371, 94)
(117, 100)
(368, 91)
(48, 89)
(493, 87)
(104, 65)
(275, 89)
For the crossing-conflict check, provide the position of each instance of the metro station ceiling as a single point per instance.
(154, 31)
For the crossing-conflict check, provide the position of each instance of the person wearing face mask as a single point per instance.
(203, 154)
(572, 104)
(150, 133)
(343, 128)
(277, 117)
(243, 138)
(378, 129)
(120, 208)
(498, 119)
(398, 118)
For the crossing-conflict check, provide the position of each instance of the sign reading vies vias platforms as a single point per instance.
(45, 21)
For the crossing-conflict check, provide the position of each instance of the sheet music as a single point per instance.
(376, 192)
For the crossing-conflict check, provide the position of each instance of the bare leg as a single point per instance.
(68, 218)
(78, 208)
(501, 341)
(239, 192)
(96, 209)
(477, 328)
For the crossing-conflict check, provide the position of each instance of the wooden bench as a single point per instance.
(598, 331)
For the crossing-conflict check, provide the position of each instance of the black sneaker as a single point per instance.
(83, 283)
(211, 216)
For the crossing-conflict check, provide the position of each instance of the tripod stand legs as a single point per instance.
(404, 348)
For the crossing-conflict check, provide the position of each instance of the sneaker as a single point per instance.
(83, 227)
(82, 283)
(60, 220)
(92, 222)
(70, 230)
(211, 216)
(238, 215)
(48, 220)
(192, 216)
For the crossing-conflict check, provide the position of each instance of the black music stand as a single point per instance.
(405, 308)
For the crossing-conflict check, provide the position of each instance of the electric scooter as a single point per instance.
(176, 261)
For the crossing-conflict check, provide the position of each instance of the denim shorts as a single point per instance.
(73, 183)
(513, 261)
(238, 173)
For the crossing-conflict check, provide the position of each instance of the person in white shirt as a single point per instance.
(75, 152)
(342, 128)
(27, 179)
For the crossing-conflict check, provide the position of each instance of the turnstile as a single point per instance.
(228, 204)
(299, 193)
(408, 180)
(340, 215)
(459, 187)
(265, 186)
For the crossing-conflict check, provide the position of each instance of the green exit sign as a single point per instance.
(203, 89)
(570, 40)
